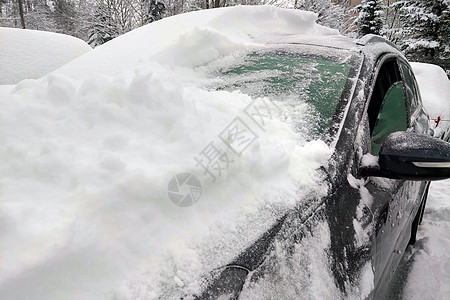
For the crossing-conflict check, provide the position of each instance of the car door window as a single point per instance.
(392, 116)
(388, 107)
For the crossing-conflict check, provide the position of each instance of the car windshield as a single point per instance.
(309, 85)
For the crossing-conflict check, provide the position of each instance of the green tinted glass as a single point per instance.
(282, 76)
(392, 117)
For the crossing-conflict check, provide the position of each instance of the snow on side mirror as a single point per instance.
(410, 156)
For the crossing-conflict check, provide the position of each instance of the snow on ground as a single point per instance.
(425, 270)
(30, 54)
(88, 151)
(430, 272)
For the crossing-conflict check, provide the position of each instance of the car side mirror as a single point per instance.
(411, 156)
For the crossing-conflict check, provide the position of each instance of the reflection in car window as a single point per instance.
(392, 116)
(303, 83)
(410, 89)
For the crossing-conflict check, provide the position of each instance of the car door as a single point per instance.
(393, 203)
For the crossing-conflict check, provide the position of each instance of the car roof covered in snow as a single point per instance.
(30, 54)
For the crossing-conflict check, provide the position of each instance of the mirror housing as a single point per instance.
(411, 156)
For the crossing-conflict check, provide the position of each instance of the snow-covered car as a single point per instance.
(243, 152)
(434, 87)
(30, 54)
(367, 105)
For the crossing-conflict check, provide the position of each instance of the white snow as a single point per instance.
(361, 227)
(30, 54)
(355, 183)
(434, 88)
(88, 151)
(369, 160)
(194, 38)
(429, 276)
(366, 280)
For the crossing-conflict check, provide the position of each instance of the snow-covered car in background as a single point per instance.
(242, 152)
(434, 87)
(30, 54)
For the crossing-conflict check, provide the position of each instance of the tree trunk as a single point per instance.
(216, 3)
(22, 19)
(206, 4)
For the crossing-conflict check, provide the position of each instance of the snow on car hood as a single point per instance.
(89, 152)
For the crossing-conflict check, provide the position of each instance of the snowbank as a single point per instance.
(435, 91)
(30, 54)
(88, 152)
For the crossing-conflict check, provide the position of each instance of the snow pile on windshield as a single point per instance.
(434, 88)
(30, 54)
(89, 152)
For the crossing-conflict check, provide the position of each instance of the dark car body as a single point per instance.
(386, 210)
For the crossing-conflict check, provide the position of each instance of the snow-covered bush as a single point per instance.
(369, 19)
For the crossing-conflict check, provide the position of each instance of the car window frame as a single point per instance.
(415, 87)
(381, 62)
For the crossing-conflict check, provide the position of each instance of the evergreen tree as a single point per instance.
(154, 10)
(423, 33)
(369, 19)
